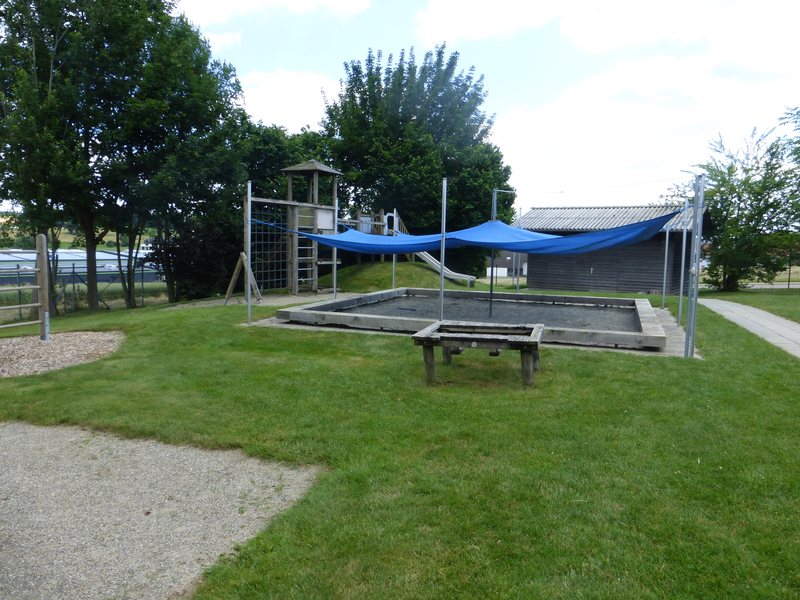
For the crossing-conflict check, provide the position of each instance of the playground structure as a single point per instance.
(40, 290)
(281, 259)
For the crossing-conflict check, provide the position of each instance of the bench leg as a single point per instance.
(430, 364)
(537, 364)
(526, 358)
(447, 355)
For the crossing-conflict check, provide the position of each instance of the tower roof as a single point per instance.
(310, 166)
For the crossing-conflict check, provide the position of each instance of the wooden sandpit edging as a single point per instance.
(650, 334)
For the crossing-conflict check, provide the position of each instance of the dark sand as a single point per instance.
(574, 316)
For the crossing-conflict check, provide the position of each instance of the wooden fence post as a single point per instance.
(43, 282)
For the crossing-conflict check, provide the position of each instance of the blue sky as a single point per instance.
(595, 103)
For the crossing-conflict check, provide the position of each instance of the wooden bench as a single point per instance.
(455, 336)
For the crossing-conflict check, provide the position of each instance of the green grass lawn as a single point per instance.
(616, 476)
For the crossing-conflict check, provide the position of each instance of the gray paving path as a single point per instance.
(776, 330)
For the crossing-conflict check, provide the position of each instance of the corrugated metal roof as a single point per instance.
(596, 218)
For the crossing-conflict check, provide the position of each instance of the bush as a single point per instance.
(25, 242)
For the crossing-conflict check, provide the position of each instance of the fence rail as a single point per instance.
(41, 299)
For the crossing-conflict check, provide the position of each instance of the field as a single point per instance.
(617, 475)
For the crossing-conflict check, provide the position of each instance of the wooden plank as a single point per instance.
(447, 355)
(16, 306)
(430, 364)
(44, 287)
(428, 331)
(526, 362)
(10, 325)
(234, 278)
(353, 320)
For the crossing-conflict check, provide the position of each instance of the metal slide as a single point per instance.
(447, 272)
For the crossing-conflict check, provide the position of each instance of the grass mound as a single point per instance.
(376, 276)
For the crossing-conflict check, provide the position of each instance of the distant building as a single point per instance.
(635, 268)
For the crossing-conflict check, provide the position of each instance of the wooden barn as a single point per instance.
(635, 268)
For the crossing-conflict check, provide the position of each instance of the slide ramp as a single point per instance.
(447, 272)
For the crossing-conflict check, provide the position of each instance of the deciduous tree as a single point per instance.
(397, 131)
(112, 113)
(752, 199)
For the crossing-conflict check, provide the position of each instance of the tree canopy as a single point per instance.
(754, 204)
(396, 131)
(113, 113)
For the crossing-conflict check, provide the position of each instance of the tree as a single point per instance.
(754, 206)
(179, 158)
(396, 132)
(112, 114)
(268, 149)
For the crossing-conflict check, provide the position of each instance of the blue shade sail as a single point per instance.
(496, 235)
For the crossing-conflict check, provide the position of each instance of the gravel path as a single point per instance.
(90, 516)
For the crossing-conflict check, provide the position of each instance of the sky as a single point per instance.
(594, 103)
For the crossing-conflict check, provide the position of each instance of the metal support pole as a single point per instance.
(683, 260)
(441, 252)
(491, 270)
(519, 262)
(19, 293)
(701, 186)
(394, 256)
(666, 263)
(690, 291)
(335, 231)
(142, 282)
(691, 314)
(513, 267)
(247, 247)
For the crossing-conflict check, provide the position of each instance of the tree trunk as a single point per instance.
(133, 255)
(127, 275)
(86, 222)
(166, 258)
(52, 267)
(122, 273)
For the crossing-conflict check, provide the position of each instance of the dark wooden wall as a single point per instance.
(635, 268)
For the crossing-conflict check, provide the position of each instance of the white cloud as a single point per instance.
(449, 20)
(219, 41)
(207, 12)
(642, 121)
(754, 30)
(287, 98)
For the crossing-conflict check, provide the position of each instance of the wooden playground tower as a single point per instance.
(304, 259)
(302, 256)
(276, 258)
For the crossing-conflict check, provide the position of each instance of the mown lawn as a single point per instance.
(617, 475)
